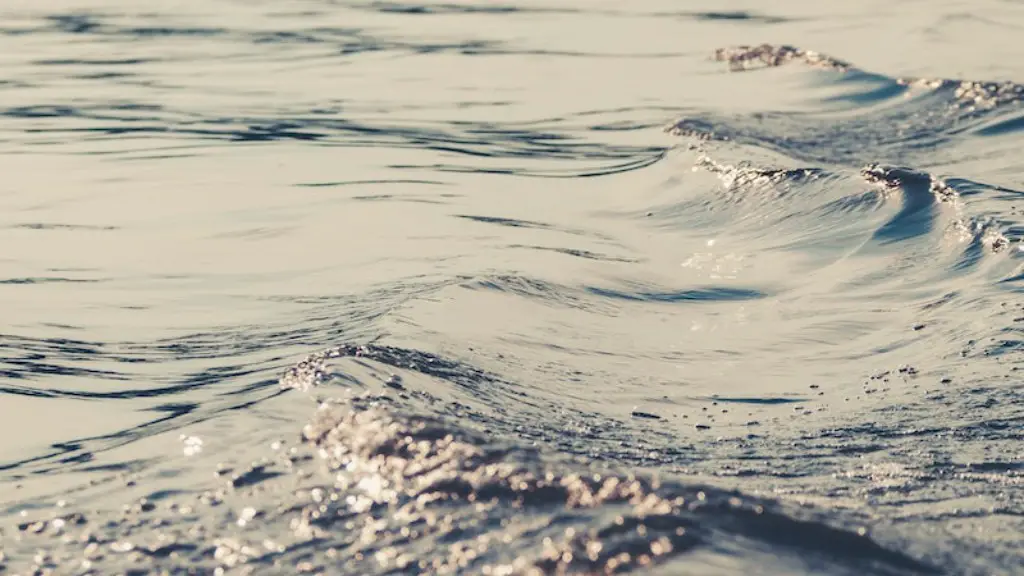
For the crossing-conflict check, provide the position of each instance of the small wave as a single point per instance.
(974, 94)
(604, 299)
(895, 177)
(420, 465)
(922, 189)
(397, 487)
(898, 121)
(384, 481)
(873, 142)
(738, 177)
(768, 55)
(982, 235)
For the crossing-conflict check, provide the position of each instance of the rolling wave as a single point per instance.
(918, 116)
(874, 142)
(409, 471)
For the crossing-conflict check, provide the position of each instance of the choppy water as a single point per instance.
(575, 287)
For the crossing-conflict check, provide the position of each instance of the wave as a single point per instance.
(415, 483)
(876, 143)
(748, 57)
(967, 93)
(912, 118)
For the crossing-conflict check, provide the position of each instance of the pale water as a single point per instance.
(589, 286)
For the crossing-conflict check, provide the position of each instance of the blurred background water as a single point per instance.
(584, 240)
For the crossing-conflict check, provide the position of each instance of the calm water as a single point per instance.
(589, 287)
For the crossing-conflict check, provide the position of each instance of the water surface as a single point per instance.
(588, 287)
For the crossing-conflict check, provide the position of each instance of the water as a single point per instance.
(588, 287)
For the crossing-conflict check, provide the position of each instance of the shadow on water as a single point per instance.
(342, 42)
(919, 211)
(697, 294)
(67, 456)
(440, 8)
(477, 140)
(57, 123)
(738, 16)
(185, 389)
